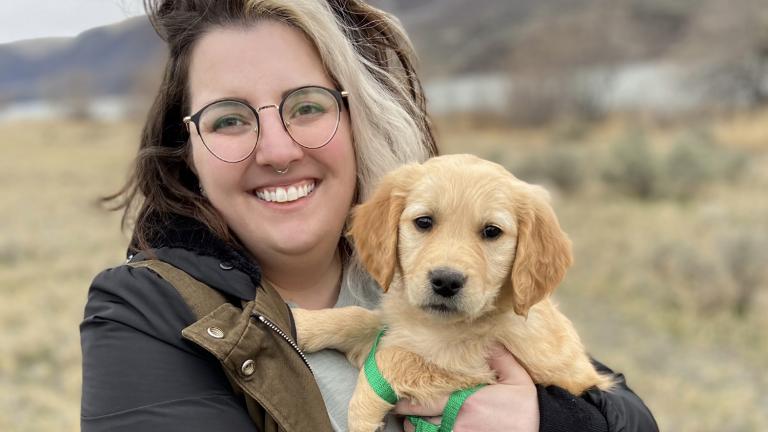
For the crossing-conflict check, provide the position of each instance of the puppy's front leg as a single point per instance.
(366, 409)
(350, 330)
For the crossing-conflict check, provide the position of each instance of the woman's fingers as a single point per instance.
(431, 413)
(409, 427)
(511, 404)
(407, 407)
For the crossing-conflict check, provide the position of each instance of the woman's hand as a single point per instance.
(510, 405)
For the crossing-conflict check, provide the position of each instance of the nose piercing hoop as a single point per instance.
(281, 171)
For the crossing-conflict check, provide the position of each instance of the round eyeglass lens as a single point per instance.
(311, 116)
(229, 129)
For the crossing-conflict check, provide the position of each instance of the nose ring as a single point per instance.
(281, 171)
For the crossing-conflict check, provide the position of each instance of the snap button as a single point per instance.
(216, 332)
(225, 266)
(248, 368)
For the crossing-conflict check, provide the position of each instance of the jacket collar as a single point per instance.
(189, 245)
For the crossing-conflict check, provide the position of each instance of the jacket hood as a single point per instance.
(187, 234)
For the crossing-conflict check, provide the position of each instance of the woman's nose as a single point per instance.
(275, 147)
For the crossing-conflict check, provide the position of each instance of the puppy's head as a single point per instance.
(465, 237)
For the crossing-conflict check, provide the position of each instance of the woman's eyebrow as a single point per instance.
(283, 94)
(287, 92)
(221, 99)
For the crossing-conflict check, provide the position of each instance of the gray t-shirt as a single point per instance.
(335, 376)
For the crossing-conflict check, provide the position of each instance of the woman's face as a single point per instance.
(260, 64)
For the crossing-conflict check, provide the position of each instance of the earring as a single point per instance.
(202, 191)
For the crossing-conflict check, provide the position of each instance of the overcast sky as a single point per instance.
(30, 19)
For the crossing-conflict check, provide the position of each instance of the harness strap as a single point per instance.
(377, 382)
(384, 390)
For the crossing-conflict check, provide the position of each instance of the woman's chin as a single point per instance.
(295, 247)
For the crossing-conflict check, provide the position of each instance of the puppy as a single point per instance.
(468, 256)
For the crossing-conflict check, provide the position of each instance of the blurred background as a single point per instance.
(646, 119)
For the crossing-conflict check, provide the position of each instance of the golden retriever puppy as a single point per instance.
(467, 255)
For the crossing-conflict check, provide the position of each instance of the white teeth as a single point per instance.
(280, 194)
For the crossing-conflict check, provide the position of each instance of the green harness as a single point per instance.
(385, 391)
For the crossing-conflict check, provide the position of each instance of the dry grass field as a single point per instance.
(670, 284)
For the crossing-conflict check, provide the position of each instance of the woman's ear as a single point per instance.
(543, 252)
(374, 227)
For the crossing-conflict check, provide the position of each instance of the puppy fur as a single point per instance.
(436, 344)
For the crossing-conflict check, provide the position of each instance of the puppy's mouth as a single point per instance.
(441, 309)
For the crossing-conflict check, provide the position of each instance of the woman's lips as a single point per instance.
(287, 193)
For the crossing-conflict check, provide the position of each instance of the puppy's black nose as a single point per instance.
(446, 282)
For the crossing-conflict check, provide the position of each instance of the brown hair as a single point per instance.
(161, 182)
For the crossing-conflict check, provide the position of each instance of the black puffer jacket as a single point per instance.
(139, 374)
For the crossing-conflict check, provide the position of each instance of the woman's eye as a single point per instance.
(423, 223)
(227, 123)
(307, 109)
(490, 232)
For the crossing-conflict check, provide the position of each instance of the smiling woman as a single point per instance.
(274, 118)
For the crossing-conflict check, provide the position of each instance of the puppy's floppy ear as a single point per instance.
(543, 251)
(375, 222)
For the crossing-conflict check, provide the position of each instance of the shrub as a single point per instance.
(723, 271)
(745, 254)
(694, 162)
(690, 166)
(562, 166)
(686, 170)
(696, 280)
(632, 168)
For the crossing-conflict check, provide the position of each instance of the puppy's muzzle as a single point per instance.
(446, 282)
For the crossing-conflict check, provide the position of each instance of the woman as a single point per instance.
(273, 119)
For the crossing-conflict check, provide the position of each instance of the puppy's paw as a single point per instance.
(360, 426)
(345, 329)
(307, 335)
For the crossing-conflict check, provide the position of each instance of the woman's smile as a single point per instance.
(286, 193)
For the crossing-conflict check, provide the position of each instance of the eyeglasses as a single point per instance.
(230, 128)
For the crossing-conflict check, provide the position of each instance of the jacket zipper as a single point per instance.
(290, 341)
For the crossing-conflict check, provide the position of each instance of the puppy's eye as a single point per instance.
(490, 232)
(423, 223)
